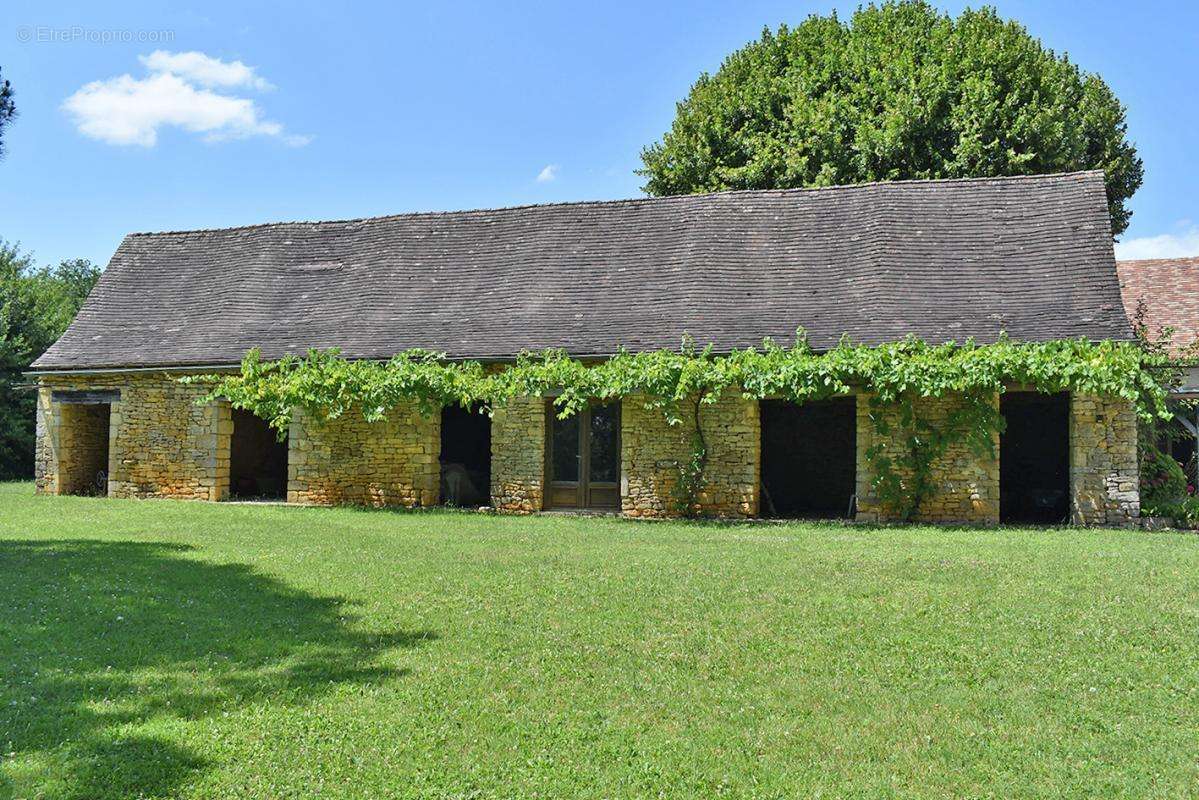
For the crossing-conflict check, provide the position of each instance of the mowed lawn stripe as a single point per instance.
(167, 649)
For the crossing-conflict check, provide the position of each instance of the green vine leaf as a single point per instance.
(894, 377)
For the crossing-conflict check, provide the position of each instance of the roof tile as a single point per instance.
(1169, 289)
(942, 260)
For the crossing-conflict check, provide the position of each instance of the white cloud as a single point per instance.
(548, 173)
(178, 92)
(1167, 245)
(204, 69)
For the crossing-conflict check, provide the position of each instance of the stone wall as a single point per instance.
(164, 445)
(652, 451)
(352, 461)
(966, 486)
(518, 456)
(161, 443)
(1104, 472)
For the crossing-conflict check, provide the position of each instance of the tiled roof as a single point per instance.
(944, 260)
(1169, 288)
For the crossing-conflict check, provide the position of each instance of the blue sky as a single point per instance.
(324, 111)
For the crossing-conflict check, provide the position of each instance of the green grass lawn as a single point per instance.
(161, 649)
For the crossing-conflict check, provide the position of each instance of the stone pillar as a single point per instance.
(518, 455)
(165, 444)
(966, 485)
(1104, 472)
(393, 462)
(45, 458)
(652, 452)
(223, 422)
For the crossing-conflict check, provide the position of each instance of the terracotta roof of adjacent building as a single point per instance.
(1169, 290)
(945, 259)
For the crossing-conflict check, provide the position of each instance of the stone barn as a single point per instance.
(943, 260)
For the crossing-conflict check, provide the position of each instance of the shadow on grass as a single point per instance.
(99, 639)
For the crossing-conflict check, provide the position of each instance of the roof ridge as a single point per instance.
(632, 201)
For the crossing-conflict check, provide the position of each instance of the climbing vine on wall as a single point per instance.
(895, 377)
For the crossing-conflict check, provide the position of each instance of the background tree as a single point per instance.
(36, 305)
(901, 91)
(8, 109)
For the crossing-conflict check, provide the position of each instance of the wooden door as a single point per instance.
(583, 458)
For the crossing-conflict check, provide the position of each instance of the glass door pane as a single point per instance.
(565, 446)
(603, 456)
(565, 463)
(605, 451)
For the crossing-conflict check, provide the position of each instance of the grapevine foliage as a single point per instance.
(894, 377)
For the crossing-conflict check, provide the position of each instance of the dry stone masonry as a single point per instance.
(653, 451)
(966, 486)
(1104, 473)
(160, 443)
(155, 441)
(352, 461)
(518, 456)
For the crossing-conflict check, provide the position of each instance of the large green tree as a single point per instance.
(900, 91)
(36, 305)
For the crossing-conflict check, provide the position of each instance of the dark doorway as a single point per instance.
(465, 456)
(809, 457)
(583, 457)
(257, 459)
(1034, 458)
(83, 448)
(1183, 451)
(1178, 439)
